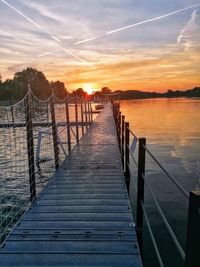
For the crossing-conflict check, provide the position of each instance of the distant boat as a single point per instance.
(99, 106)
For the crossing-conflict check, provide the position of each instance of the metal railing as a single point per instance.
(191, 255)
(24, 146)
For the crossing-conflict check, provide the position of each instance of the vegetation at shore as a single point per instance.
(14, 89)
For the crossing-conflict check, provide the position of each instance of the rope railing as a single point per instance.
(35, 137)
(190, 256)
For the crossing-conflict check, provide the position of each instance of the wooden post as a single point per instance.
(76, 119)
(122, 140)
(86, 116)
(140, 192)
(82, 120)
(89, 119)
(54, 132)
(119, 122)
(127, 141)
(193, 231)
(91, 111)
(30, 145)
(68, 125)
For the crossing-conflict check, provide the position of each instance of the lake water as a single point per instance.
(172, 130)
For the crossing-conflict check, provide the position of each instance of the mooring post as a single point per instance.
(30, 145)
(127, 143)
(82, 120)
(140, 192)
(193, 231)
(68, 124)
(54, 132)
(122, 140)
(76, 119)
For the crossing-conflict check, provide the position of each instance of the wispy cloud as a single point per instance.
(45, 31)
(29, 19)
(189, 36)
(8, 51)
(44, 10)
(138, 24)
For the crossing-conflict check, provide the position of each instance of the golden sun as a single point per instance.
(88, 88)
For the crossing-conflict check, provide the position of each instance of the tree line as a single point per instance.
(15, 89)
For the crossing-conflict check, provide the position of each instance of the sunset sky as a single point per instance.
(152, 54)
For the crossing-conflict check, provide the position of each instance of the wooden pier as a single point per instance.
(83, 216)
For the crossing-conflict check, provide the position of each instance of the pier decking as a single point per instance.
(83, 216)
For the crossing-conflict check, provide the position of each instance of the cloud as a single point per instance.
(8, 51)
(137, 24)
(189, 37)
(22, 14)
(44, 10)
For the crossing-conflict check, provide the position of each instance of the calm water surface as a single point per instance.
(172, 129)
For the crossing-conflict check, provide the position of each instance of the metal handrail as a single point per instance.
(133, 133)
(133, 158)
(161, 166)
(171, 232)
(152, 236)
(166, 172)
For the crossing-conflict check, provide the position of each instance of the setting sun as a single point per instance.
(88, 88)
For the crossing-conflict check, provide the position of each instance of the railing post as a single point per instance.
(82, 126)
(76, 119)
(119, 122)
(91, 111)
(54, 132)
(89, 118)
(193, 231)
(68, 125)
(127, 140)
(30, 145)
(86, 116)
(140, 192)
(122, 140)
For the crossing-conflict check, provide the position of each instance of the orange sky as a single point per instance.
(179, 70)
(148, 45)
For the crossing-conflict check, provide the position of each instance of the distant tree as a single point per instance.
(97, 96)
(0, 78)
(105, 90)
(37, 80)
(80, 93)
(59, 89)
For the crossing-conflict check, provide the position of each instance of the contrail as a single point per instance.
(48, 53)
(138, 23)
(89, 39)
(30, 20)
(153, 19)
(78, 58)
(70, 53)
(45, 31)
